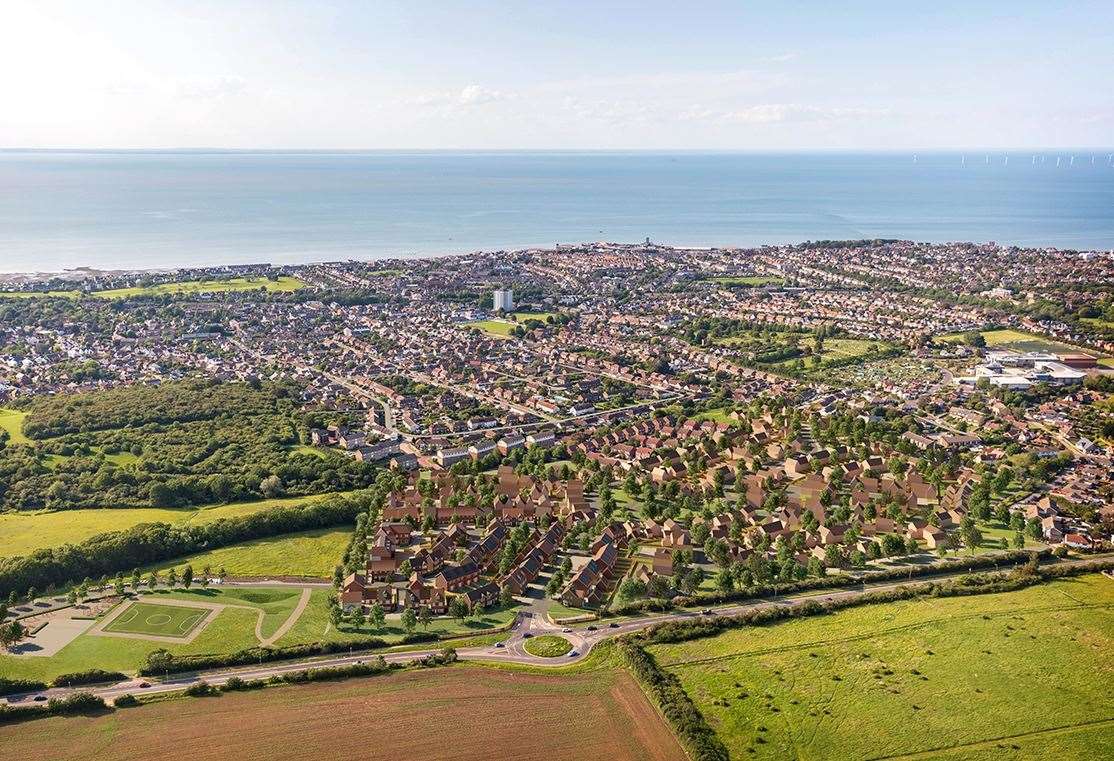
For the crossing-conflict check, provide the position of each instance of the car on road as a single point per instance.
(527, 635)
(708, 612)
(567, 630)
(573, 653)
(144, 685)
(591, 627)
(613, 625)
(39, 698)
(499, 644)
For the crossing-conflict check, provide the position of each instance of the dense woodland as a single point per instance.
(178, 444)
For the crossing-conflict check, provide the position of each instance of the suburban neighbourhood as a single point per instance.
(533, 456)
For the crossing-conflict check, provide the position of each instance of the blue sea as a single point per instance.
(110, 210)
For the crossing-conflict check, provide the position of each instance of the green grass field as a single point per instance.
(160, 620)
(12, 422)
(503, 328)
(119, 459)
(23, 533)
(548, 646)
(284, 283)
(306, 553)
(233, 629)
(957, 677)
(717, 414)
(1020, 341)
(752, 280)
(314, 625)
(840, 348)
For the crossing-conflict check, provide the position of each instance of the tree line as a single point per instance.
(149, 543)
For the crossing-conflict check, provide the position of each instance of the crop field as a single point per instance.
(160, 620)
(23, 533)
(966, 677)
(12, 422)
(451, 714)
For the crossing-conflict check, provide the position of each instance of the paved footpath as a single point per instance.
(512, 650)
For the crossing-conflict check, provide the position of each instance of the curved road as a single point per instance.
(510, 650)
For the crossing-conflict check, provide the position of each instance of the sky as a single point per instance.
(519, 74)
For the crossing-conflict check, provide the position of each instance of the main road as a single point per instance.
(510, 650)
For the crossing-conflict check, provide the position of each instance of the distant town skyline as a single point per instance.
(578, 75)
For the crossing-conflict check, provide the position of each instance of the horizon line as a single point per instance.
(215, 149)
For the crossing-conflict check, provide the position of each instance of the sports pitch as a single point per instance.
(158, 620)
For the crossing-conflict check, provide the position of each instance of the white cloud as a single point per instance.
(468, 96)
(773, 113)
(220, 87)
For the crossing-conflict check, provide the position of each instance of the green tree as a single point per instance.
(376, 617)
(159, 660)
(187, 576)
(409, 620)
(458, 607)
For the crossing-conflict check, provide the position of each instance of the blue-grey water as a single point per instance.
(60, 210)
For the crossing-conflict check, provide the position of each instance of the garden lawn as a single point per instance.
(23, 533)
(949, 677)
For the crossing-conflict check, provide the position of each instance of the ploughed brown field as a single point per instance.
(457, 714)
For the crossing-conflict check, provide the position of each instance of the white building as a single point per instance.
(503, 299)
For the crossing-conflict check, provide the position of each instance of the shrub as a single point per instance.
(236, 684)
(12, 686)
(127, 700)
(201, 690)
(176, 664)
(92, 676)
(675, 704)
